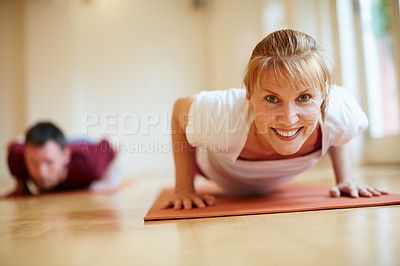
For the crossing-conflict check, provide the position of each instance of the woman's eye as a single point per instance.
(271, 98)
(304, 98)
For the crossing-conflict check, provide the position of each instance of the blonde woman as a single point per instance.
(250, 140)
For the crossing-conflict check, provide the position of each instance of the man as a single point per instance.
(45, 158)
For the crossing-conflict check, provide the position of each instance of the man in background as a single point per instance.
(45, 158)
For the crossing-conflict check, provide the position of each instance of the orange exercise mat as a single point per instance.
(289, 197)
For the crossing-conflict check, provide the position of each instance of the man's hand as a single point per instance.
(188, 200)
(18, 193)
(103, 186)
(21, 190)
(355, 190)
(110, 181)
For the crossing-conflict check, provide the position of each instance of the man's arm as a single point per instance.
(110, 180)
(19, 139)
(21, 188)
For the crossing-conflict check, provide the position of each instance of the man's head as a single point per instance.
(46, 155)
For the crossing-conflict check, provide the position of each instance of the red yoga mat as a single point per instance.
(289, 197)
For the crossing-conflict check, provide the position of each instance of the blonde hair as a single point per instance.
(293, 56)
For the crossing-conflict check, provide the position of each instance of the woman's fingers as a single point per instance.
(382, 191)
(166, 204)
(209, 200)
(199, 202)
(337, 191)
(188, 202)
(334, 191)
(355, 190)
(177, 204)
(349, 189)
(364, 192)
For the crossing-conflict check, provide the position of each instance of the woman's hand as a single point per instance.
(188, 200)
(355, 190)
(184, 157)
(344, 178)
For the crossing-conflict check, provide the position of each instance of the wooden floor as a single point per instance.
(86, 229)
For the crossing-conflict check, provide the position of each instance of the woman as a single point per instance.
(250, 140)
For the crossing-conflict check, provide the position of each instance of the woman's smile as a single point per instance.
(287, 134)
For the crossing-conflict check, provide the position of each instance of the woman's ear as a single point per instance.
(249, 101)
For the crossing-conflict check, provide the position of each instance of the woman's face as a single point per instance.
(285, 116)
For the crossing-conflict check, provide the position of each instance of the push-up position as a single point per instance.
(250, 140)
(44, 157)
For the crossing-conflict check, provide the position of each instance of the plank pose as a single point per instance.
(45, 158)
(250, 140)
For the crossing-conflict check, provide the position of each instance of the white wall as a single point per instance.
(100, 67)
(48, 62)
(233, 28)
(12, 80)
(314, 17)
(114, 62)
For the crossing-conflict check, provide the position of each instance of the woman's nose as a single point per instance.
(288, 115)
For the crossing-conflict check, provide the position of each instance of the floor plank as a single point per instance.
(82, 228)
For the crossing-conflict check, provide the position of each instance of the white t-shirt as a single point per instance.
(218, 126)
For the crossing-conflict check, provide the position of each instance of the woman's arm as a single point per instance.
(345, 183)
(184, 157)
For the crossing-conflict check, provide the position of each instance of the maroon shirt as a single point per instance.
(88, 162)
